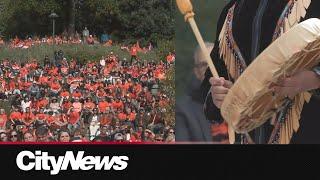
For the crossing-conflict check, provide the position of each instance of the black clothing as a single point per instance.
(261, 15)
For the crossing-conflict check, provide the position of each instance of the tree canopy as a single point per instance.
(124, 20)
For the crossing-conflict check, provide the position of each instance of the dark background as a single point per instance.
(206, 15)
(163, 162)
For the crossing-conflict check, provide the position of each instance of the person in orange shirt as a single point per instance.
(105, 119)
(55, 87)
(65, 94)
(122, 116)
(170, 58)
(16, 115)
(102, 105)
(28, 117)
(101, 93)
(89, 105)
(43, 80)
(118, 104)
(133, 53)
(3, 119)
(41, 116)
(77, 105)
(90, 40)
(76, 94)
(43, 102)
(137, 88)
(66, 105)
(73, 120)
(64, 70)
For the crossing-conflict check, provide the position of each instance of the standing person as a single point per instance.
(85, 34)
(245, 29)
(133, 53)
(191, 124)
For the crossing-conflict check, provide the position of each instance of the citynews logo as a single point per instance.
(42, 161)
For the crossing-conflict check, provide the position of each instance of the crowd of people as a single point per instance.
(64, 38)
(65, 100)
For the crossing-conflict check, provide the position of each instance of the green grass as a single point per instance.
(81, 52)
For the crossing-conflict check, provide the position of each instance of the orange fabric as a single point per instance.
(89, 105)
(41, 116)
(117, 105)
(28, 118)
(55, 86)
(3, 120)
(103, 105)
(122, 116)
(15, 115)
(76, 94)
(74, 117)
(132, 116)
(42, 103)
(133, 51)
(105, 120)
(65, 94)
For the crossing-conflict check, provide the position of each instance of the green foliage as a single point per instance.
(164, 47)
(169, 88)
(80, 52)
(127, 20)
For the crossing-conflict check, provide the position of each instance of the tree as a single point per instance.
(124, 20)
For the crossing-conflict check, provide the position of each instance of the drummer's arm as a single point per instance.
(211, 111)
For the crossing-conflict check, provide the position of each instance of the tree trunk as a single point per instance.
(71, 17)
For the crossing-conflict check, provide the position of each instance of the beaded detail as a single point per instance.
(229, 49)
(235, 63)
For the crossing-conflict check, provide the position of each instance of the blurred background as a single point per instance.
(206, 16)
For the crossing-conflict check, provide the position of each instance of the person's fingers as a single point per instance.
(228, 84)
(219, 97)
(219, 90)
(215, 81)
(289, 82)
(218, 104)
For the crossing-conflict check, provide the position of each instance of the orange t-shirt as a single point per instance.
(132, 116)
(3, 120)
(66, 105)
(105, 120)
(89, 105)
(133, 51)
(76, 94)
(41, 116)
(28, 118)
(122, 116)
(117, 105)
(103, 105)
(65, 94)
(74, 117)
(15, 115)
(55, 86)
(43, 80)
(42, 103)
(50, 119)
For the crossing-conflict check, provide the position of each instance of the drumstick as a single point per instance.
(186, 9)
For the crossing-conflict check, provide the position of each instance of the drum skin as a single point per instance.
(250, 103)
